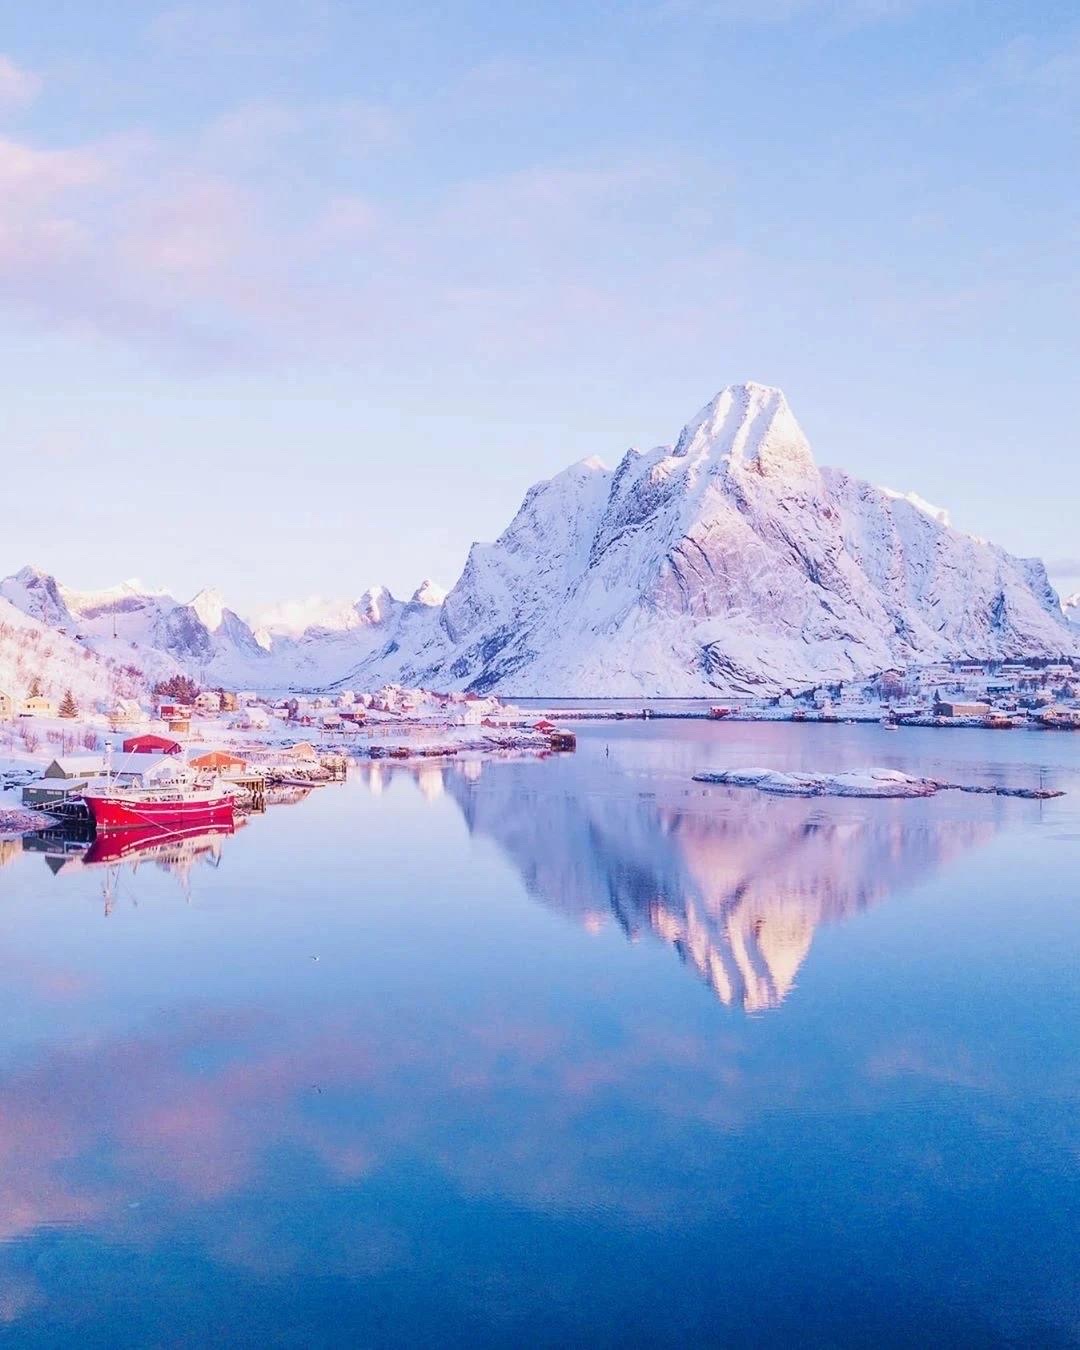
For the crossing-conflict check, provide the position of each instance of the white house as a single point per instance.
(208, 702)
(127, 713)
(467, 715)
(137, 770)
(252, 719)
(7, 706)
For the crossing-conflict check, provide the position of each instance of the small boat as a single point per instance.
(120, 808)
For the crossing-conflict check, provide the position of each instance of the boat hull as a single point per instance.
(124, 812)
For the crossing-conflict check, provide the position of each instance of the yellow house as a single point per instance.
(38, 706)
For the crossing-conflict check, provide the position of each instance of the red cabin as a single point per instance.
(151, 745)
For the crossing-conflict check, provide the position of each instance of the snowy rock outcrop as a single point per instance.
(727, 563)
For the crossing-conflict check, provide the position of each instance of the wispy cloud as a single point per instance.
(17, 86)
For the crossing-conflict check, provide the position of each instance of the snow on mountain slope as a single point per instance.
(31, 650)
(304, 645)
(37, 595)
(727, 563)
(130, 624)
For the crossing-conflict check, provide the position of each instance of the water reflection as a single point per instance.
(736, 883)
(201, 1127)
(177, 851)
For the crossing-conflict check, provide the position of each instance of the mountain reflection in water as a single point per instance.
(736, 882)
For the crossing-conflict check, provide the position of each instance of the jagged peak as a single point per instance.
(210, 607)
(375, 604)
(751, 426)
(428, 593)
(31, 574)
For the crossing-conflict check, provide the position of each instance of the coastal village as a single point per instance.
(245, 746)
(1036, 692)
(196, 747)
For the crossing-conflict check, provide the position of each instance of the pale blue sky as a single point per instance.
(330, 284)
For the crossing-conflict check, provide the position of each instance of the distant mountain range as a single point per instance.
(727, 563)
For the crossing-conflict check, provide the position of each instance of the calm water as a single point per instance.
(590, 1054)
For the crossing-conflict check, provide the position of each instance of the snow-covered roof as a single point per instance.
(76, 766)
(146, 766)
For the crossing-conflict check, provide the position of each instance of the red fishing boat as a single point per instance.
(177, 806)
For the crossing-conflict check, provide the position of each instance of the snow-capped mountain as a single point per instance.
(303, 644)
(727, 562)
(315, 642)
(132, 625)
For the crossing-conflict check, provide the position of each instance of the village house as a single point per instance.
(251, 719)
(220, 762)
(64, 777)
(950, 708)
(207, 702)
(150, 744)
(229, 701)
(246, 696)
(144, 770)
(176, 716)
(467, 715)
(7, 706)
(37, 706)
(890, 684)
(126, 713)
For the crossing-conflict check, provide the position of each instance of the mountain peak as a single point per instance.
(210, 608)
(428, 593)
(751, 427)
(31, 574)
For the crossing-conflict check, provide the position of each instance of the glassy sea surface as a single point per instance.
(560, 1051)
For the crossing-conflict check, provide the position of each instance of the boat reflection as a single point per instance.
(172, 849)
(175, 851)
(736, 883)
